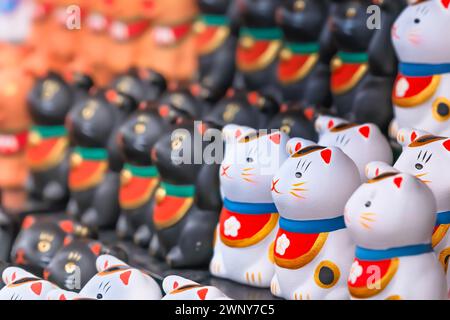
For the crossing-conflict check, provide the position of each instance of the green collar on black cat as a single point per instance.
(215, 19)
(50, 131)
(92, 153)
(353, 57)
(303, 48)
(142, 171)
(262, 33)
(182, 191)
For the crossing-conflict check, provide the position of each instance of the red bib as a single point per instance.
(170, 210)
(211, 38)
(346, 76)
(136, 191)
(87, 174)
(240, 230)
(369, 278)
(257, 55)
(412, 91)
(11, 144)
(294, 250)
(46, 153)
(296, 67)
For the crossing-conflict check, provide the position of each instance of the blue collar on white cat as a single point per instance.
(249, 208)
(312, 226)
(423, 70)
(443, 218)
(376, 255)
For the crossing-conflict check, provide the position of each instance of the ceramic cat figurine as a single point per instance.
(427, 156)
(22, 285)
(139, 177)
(116, 280)
(40, 238)
(312, 250)
(248, 221)
(421, 91)
(64, 295)
(187, 203)
(362, 143)
(179, 288)
(302, 23)
(47, 150)
(394, 258)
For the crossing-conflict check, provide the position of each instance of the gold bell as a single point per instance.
(336, 63)
(34, 138)
(199, 27)
(286, 54)
(247, 42)
(75, 160)
(160, 195)
(125, 177)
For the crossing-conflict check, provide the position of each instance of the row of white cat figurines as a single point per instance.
(350, 225)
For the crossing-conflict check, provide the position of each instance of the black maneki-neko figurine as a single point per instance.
(302, 22)
(139, 177)
(95, 162)
(187, 202)
(259, 44)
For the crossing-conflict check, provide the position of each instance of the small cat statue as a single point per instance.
(74, 263)
(259, 44)
(64, 295)
(187, 203)
(248, 220)
(116, 280)
(139, 177)
(47, 151)
(393, 240)
(421, 91)
(40, 238)
(363, 143)
(22, 285)
(302, 23)
(427, 156)
(179, 288)
(313, 250)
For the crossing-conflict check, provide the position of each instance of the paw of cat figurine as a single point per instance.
(116, 280)
(421, 91)
(362, 143)
(391, 220)
(179, 288)
(312, 250)
(22, 285)
(248, 220)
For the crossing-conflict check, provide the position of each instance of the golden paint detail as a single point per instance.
(271, 252)
(394, 297)
(264, 60)
(439, 234)
(186, 288)
(49, 89)
(125, 177)
(366, 219)
(336, 274)
(303, 71)
(44, 246)
(303, 260)
(379, 285)
(351, 12)
(436, 115)
(230, 112)
(444, 257)
(299, 5)
(160, 195)
(219, 38)
(181, 212)
(259, 236)
(140, 128)
(70, 267)
(355, 80)
(424, 140)
(74, 255)
(89, 110)
(420, 98)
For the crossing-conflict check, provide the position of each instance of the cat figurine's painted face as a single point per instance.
(179, 288)
(362, 143)
(22, 285)
(428, 158)
(391, 210)
(63, 295)
(314, 182)
(116, 280)
(250, 161)
(417, 33)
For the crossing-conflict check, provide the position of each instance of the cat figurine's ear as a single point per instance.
(446, 145)
(377, 168)
(61, 295)
(12, 274)
(324, 123)
(444, 4)
(405, 136)
(171, 283)
(232, 132)
(296, 144)
(106, 261)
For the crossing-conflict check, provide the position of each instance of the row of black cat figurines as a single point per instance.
(103, 158)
